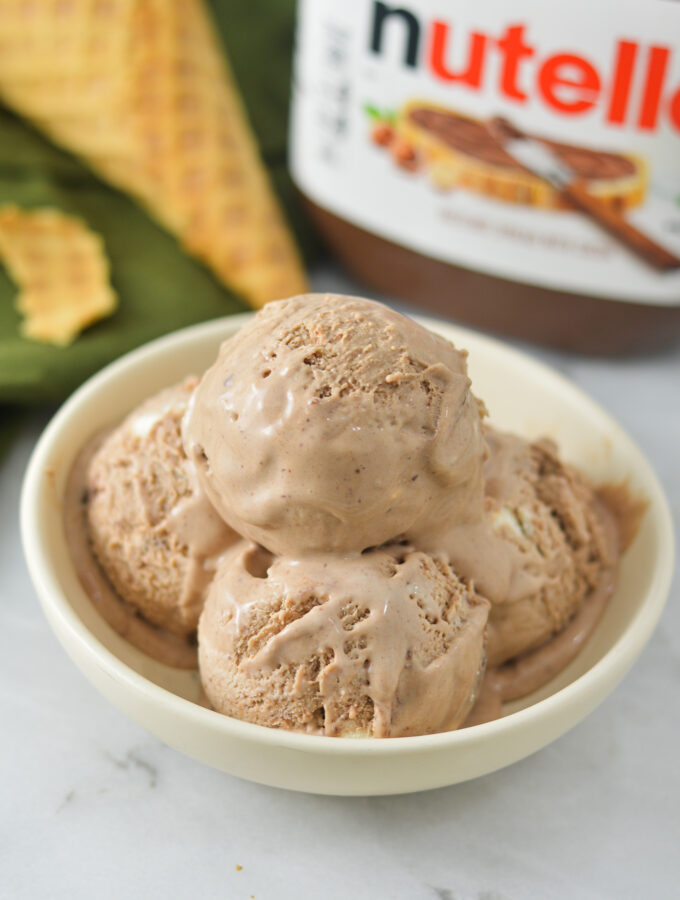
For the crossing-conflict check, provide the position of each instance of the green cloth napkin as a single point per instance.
(11, 419)
(160, 288)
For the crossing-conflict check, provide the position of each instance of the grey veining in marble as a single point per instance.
(92, 806)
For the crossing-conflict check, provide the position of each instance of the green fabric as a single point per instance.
(11, 419)
(160, 289)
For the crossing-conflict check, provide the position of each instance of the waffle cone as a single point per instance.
(141, 91)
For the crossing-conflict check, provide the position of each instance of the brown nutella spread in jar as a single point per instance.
(515, 166)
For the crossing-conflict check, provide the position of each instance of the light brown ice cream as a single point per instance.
(345, 439)
(335, 424)
(386, 643)
(151, 527)
(540, 550)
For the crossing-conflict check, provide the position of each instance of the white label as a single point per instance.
(395, 128)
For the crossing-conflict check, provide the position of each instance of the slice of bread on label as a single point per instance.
(463, 152)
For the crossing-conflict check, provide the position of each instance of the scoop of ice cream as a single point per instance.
(540, 549)
(385, 643)
(335, 424)
(152, 529)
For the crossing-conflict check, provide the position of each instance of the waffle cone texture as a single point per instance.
(142, 92)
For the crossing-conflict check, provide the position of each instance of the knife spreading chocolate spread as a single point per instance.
(501, 169)
(477, 139)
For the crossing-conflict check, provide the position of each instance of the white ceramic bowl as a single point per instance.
(522, 395)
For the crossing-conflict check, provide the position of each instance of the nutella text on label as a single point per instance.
(568, 82)
(500, 138)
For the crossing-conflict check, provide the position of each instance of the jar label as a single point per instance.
(500, 137)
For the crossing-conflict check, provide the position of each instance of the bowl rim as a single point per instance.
(53, 597)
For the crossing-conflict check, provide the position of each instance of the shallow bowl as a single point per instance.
(522, 395)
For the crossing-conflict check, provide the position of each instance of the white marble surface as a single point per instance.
(93, 806)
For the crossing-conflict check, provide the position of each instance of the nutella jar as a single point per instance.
(515, 166)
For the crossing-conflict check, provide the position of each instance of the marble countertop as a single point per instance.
(93, 806)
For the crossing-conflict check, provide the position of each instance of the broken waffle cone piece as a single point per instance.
(61, 270)
(141, 91)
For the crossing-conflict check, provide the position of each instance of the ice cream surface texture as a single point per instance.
(367, 557)
(335, 424)
(543, 546)
(386, 643)
(151, 527)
